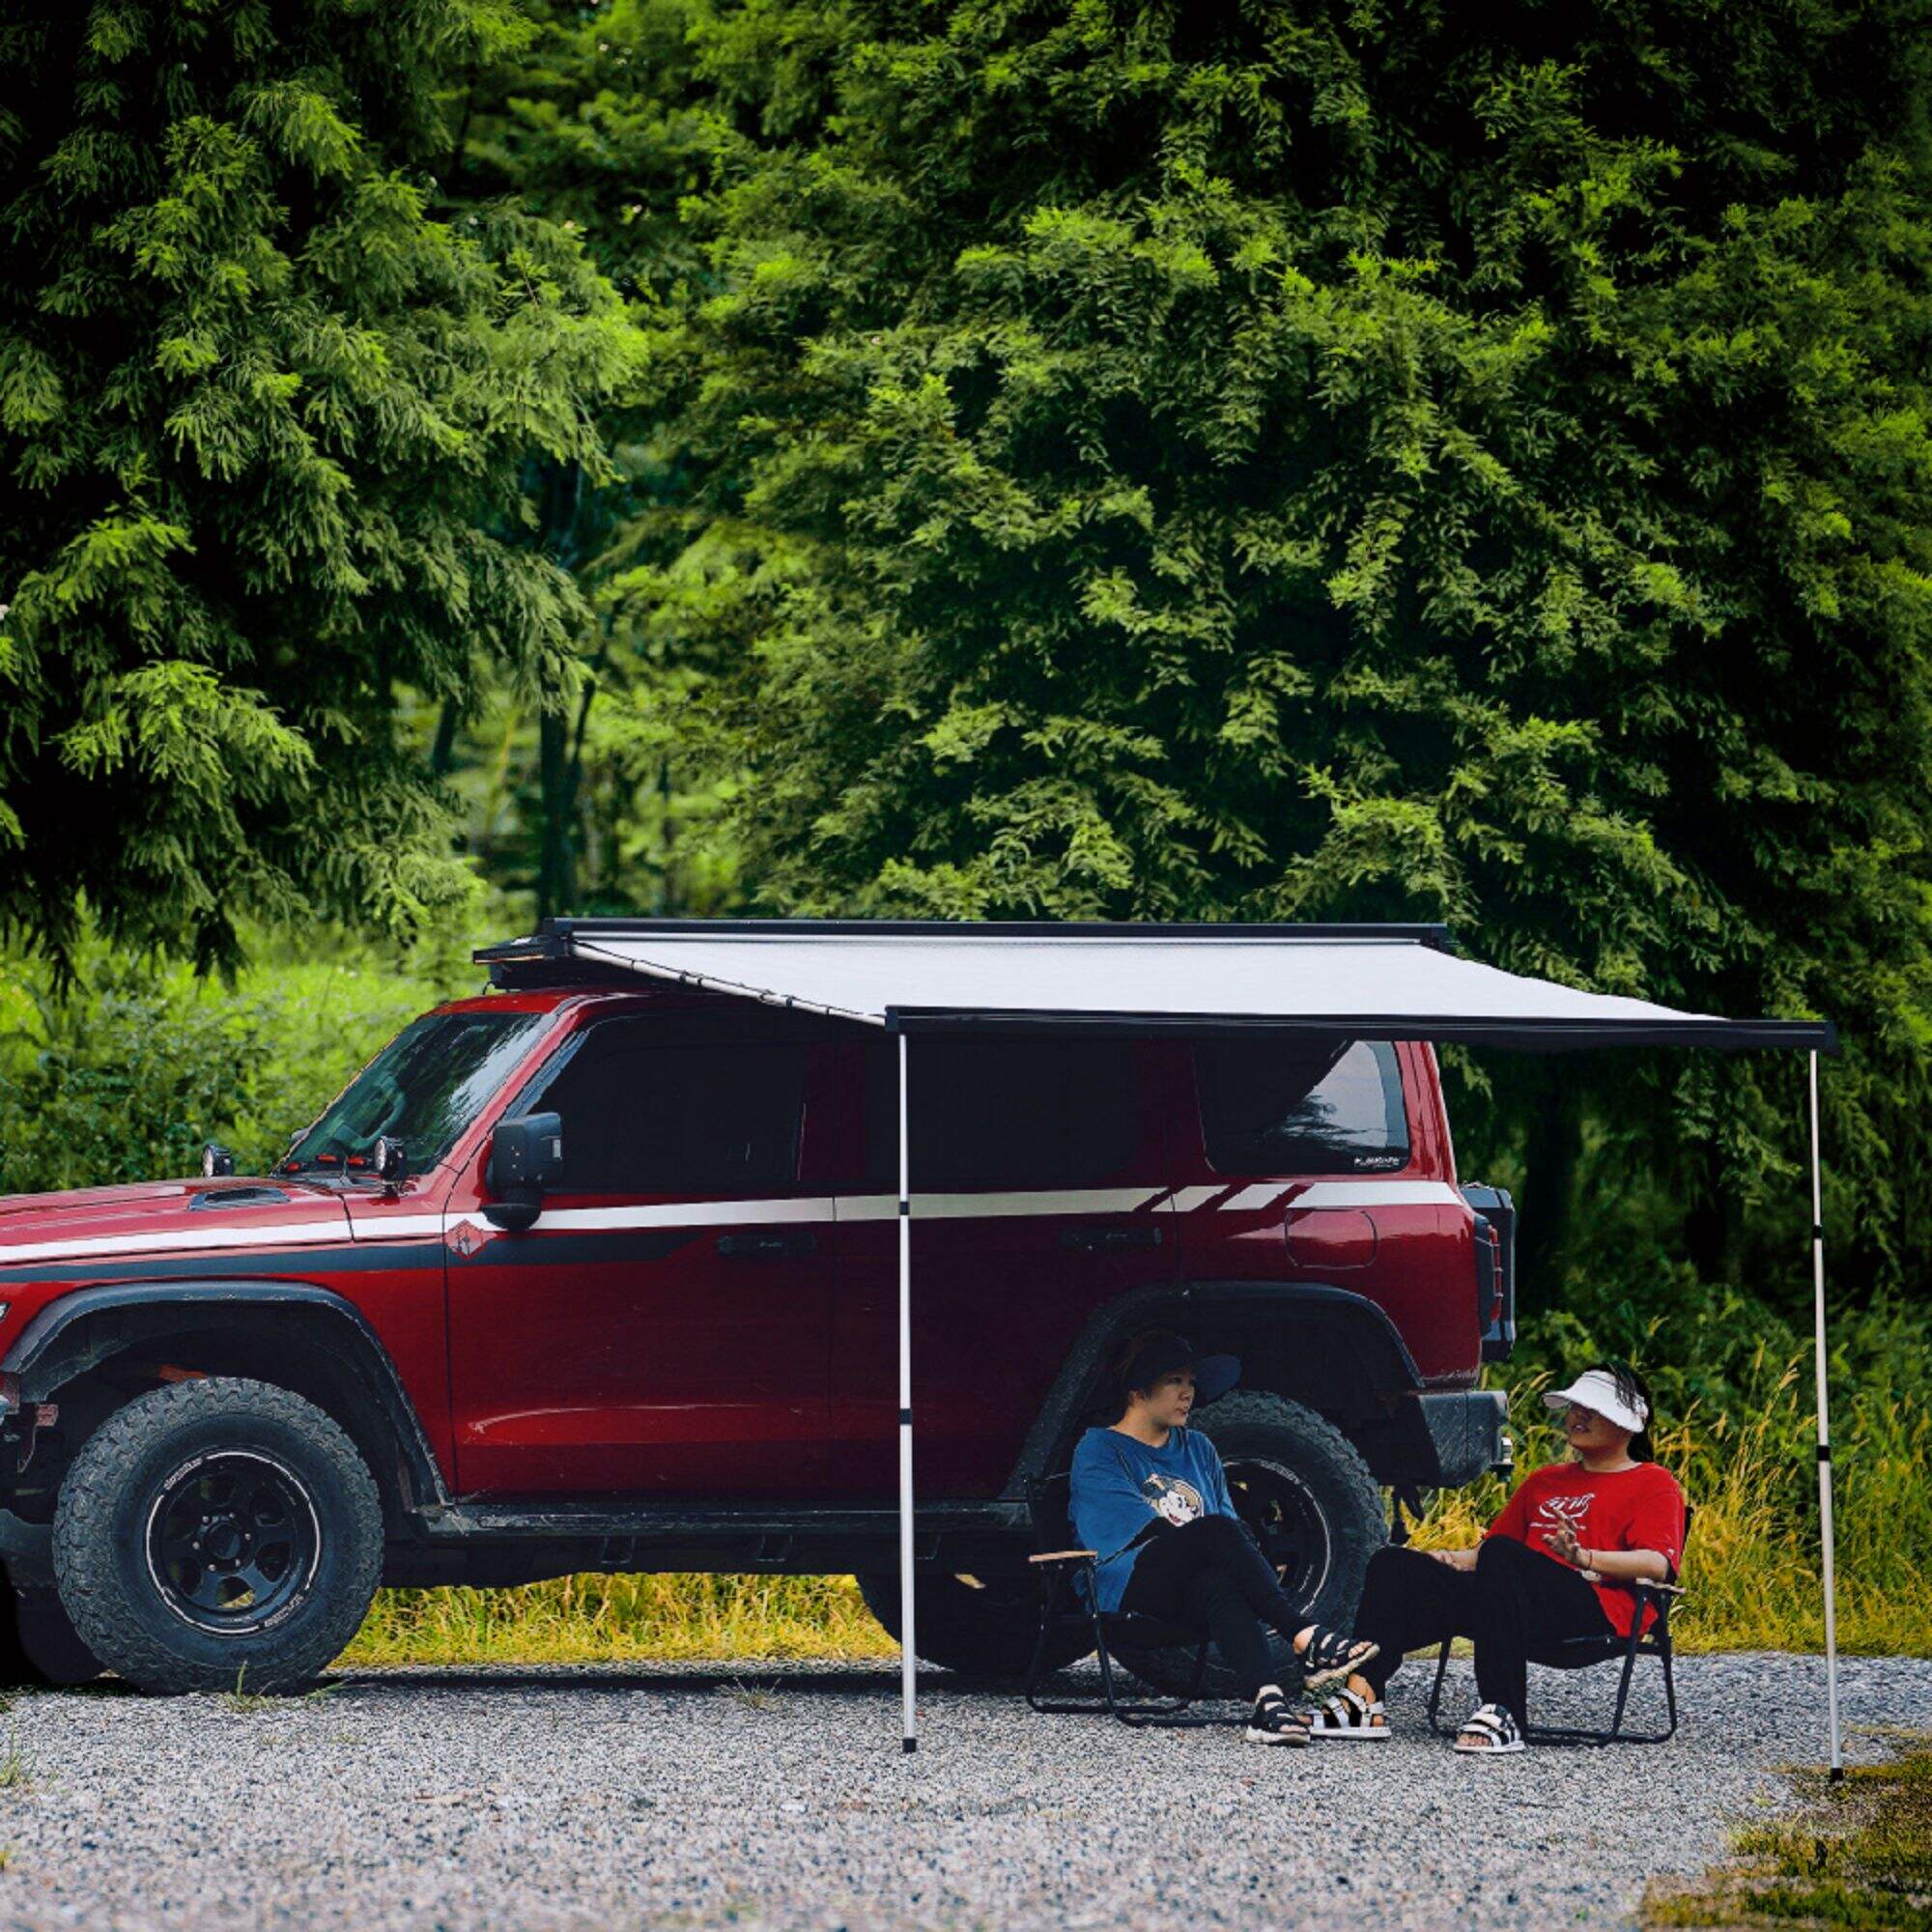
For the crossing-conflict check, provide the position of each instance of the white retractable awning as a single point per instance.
(1382, 982)
(1359, 982)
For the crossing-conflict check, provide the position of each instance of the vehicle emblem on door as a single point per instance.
(465, 1240)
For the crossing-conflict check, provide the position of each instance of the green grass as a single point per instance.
(1858, 1855)
(614, 1619)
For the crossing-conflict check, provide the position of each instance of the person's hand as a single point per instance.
(1456, 1559)
(1563, 1546)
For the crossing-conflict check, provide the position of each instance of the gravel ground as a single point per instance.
(692, 1796)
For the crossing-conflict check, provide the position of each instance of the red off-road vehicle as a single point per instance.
(581, 1274)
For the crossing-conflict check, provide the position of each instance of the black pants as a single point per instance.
(1515, 1601)
(1208, 1576)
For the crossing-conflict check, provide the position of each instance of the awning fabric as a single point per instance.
(1370, 981)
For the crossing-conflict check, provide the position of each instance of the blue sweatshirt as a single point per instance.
(1120, 1487)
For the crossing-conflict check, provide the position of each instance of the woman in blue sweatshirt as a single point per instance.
(1148, 1494)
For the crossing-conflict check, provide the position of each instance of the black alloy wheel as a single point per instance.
(1280, 1507)
(216, 1532)
(233, 1539)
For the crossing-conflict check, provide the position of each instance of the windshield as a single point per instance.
(423, 1088)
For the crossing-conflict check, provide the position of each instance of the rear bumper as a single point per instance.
(1442, 1442)
(1470, 1435)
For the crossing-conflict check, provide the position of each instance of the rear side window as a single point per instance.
(1005, 1113)
(1301, 1106)
(643, 1114)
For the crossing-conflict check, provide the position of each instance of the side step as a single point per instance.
(542, 1519)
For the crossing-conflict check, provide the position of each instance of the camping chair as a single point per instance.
(1579, 1653)
(1064, 1607)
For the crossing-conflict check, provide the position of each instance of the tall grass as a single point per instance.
(596, 1619)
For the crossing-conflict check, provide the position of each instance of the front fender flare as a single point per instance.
(79, 1331)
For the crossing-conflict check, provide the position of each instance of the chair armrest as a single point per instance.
(1064, 1556)
(1643, 1586)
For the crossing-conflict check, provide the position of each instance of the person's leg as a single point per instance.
(1224, 1541)
(1410, 1600)
(1522, 1598)
(1175, 1579)
(1215, 1602)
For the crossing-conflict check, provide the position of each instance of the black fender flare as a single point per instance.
(80, 1330)
(1379, 1357)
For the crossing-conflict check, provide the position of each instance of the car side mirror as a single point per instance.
(525, 1156)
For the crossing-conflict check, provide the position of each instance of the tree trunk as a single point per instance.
(556, 855)
(1552, 1149)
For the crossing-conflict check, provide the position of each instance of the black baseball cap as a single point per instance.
(1164, 1351)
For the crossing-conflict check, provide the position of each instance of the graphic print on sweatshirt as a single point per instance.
(1173, 1499)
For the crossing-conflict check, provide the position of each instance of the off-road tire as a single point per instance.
(984, 1630)
(147, 1452)
(1289, 1452)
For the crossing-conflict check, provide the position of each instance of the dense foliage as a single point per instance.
(265, 418)
(1234, 461)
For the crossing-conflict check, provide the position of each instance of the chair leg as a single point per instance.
(1435, 1692)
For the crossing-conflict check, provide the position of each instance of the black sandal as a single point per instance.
(1331, 1658)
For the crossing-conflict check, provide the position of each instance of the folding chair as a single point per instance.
(1062, 1608)
(1580, 1653)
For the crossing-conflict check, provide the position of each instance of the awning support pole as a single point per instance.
(1824, 1433)
(908, 1653)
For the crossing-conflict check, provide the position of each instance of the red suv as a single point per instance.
(581, 1274)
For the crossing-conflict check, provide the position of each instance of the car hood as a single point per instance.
(165, 1216)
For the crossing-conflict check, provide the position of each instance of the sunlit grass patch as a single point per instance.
(1860, 1855)
(592, 1619)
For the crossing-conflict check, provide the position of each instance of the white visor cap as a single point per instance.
(1594, 1389)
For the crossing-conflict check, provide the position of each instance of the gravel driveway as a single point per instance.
(693, 1796)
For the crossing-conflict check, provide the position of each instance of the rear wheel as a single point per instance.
(1304, 1490)
(980, 1626)
(215, 1532)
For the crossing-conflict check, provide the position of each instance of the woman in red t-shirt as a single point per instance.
(1548, 1569)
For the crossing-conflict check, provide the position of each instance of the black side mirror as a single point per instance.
(217, 1160)
(525, 1156)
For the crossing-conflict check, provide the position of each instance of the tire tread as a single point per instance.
(82, 1542)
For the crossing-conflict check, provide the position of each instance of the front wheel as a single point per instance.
(1304, 1490)
(216, 1533)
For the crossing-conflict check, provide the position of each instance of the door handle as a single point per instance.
(766, 1247)
(1106, 1240)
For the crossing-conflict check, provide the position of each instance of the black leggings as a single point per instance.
(1516, 1600)
(1208, 1576)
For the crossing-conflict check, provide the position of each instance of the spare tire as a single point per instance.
(1304, 1490)
(982, 1626)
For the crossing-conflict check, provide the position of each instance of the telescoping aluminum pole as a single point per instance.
(1824, 1434)
(908, 1655)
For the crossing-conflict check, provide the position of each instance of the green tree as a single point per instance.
(266, 423)
(1253, 461)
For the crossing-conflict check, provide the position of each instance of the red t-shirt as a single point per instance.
(1626, 1509)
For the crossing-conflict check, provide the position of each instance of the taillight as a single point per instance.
(1493, 1318)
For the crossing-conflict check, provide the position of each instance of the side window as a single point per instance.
(1005, 1113)
(1300, 1106)
(643, 1115)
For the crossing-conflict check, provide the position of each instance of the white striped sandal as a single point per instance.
(1489, 1731)
(1350, 1714)
(1328, 1657)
